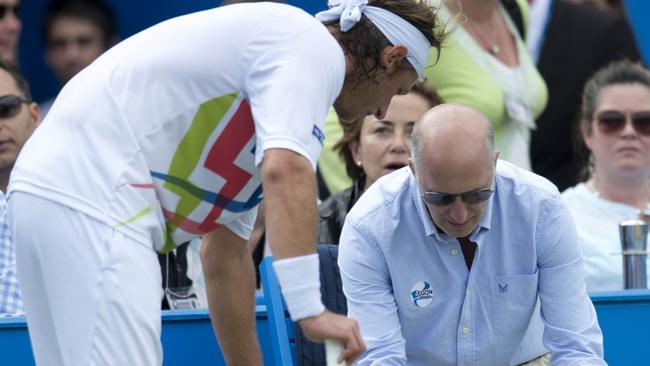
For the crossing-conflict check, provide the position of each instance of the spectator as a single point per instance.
(171, 135)
(76, 32)
(10, 27)
(486, 65)
(371, 149)
(615, 127)
(443, 263)
(569, 42)
(19, 117)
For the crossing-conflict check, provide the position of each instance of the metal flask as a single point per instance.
(634, 240)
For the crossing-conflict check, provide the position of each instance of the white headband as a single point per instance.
(397, 30)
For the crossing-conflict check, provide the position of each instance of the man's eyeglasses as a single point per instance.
(4, 9)
(10, 105)
(611, 122)
(445, 199)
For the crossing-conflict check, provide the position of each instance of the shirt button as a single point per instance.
(454, 251)
(465, 330)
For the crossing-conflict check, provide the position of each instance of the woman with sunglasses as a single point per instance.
(615, 128)
(372, 149)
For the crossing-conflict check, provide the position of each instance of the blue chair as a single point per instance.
(306, 353)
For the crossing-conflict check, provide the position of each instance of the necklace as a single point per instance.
(643, 213)
(492, 46)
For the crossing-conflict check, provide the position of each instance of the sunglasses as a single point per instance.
(4, 9)
(611, 122)
(445, 199)
(10, 105)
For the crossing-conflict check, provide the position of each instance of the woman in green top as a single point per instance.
(485, 64)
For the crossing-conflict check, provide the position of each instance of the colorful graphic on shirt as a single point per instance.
(220, 160)
(422, 294)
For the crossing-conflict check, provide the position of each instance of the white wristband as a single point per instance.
(299, 279)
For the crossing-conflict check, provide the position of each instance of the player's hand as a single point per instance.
(338, 327)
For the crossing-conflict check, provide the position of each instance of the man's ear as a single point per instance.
(35, 114)
(393, 56)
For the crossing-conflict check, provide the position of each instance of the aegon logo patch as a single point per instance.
(422, 294)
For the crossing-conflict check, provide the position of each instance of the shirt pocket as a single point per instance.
(513, 301)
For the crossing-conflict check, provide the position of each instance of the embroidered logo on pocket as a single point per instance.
(503, 289)
(422, 294)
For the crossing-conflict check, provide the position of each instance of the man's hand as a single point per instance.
(338, 327)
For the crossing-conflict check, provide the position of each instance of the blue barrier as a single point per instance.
(624, 317)
(188, 339)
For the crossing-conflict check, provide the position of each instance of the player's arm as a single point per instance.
(290, 195)
(230, 287)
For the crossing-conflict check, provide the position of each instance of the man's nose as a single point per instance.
(458, 211)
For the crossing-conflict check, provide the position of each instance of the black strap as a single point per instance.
(177, 275)
(513, 10)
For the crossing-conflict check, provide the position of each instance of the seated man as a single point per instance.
(443, 263)
(19, 116)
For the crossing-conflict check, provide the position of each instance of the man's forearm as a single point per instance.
(230, 286)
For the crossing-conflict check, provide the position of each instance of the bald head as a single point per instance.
(455, 136)
(453, 153)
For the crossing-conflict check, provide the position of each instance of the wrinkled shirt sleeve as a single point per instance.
(367, 286)
(571, 331)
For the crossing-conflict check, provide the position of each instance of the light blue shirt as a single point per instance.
(11, 303)
(416, 302)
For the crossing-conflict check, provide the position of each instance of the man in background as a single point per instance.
(19, 116)
(76, 32)
(10, 27)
